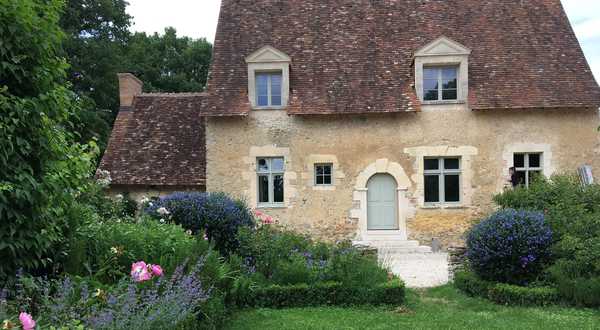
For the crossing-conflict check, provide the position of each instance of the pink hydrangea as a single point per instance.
(27, 321)
(156, 270)
(139, 272)
(268, 220)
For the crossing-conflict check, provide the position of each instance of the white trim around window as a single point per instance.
(270, 173)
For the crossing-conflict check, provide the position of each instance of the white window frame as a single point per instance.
(528, 169)
(330, 165)
(443, 52)
(269, 74)
(271, 179)
(440, 80)
(441, 172)
(268, 59)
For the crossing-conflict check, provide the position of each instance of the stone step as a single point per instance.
(403, 250)
(387, 243)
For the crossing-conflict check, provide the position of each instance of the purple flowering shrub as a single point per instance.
(217, 215)
(510, 246)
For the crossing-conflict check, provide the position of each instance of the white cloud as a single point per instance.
(192, 18)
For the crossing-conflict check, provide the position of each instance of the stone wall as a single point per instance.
(137, 193)
(485, 141)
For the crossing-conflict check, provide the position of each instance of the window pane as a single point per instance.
(277, 165)
(278, 188)
(535, 160)
(430, 73)
(275, 100)
(327, 179)
(449, 94)
(432, 188)
(263, 165)
(520, 177)
(262, 92)
(449, 74)
(430, 84)
(432, 164)
(263, 189)
(276, 84)
(452, 188)
(431, 95)
(263, 101)
(519, 160)
(320, 179)
(320, 170)
(449, 84)
(452, 163)
(327, 169)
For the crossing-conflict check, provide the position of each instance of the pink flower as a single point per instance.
(268, 220)
(258, 213)
(26, 321)
(156, 270)
(139, 272)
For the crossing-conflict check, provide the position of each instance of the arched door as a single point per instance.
(382, 203)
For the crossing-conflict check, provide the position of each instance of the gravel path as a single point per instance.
(420, 270)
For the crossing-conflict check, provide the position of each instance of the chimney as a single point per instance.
(129, 87)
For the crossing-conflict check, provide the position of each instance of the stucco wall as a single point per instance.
(568, 138)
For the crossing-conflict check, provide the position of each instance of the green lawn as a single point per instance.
(439, 308)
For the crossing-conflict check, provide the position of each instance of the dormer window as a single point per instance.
(442, 72)
(268, 89)
(268, 79)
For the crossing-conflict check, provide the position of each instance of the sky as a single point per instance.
(198, 19)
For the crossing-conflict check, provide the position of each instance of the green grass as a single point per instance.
(439, 308)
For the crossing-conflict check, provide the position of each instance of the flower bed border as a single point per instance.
(506, 294)
(330, 293)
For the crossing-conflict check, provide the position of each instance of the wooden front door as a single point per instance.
(382, 203)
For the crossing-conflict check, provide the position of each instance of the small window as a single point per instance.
(440, 83)
(527, 166)
(442, 180)
(270, 173)
(268, 89)
(323, 174)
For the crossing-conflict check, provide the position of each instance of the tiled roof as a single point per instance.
(158, 141)
(356, 56)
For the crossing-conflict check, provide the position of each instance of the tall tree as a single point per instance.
(168, 63)
(41, 166)
(97, 32)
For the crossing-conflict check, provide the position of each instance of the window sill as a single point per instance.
(443, 206)
(443, 102)
(256, 108)
(271, 206)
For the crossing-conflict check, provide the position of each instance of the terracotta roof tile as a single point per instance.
(356, 56)
(158, 141)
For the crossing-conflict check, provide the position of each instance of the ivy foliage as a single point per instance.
(42, 170)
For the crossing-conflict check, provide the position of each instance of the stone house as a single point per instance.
(378, 121)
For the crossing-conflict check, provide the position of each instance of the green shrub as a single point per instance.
(573, 212)
(284, 257)
(526, 296)
(510, 246)
(325, 293)
(472, 285)
(215, 214)
(508, 294)
(352, 268)
(107, 249)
